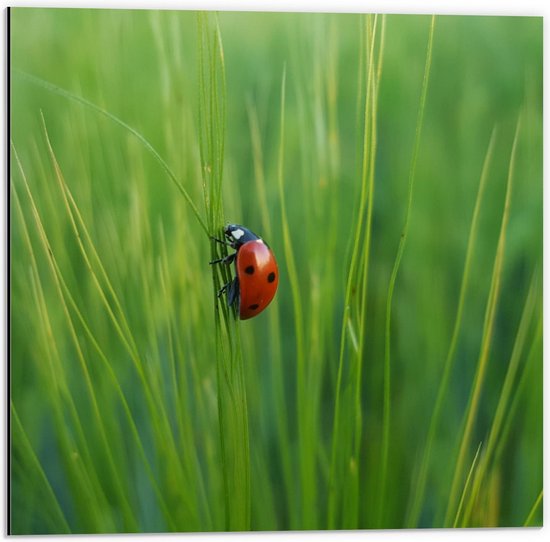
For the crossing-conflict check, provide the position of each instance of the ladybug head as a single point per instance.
(239, 235)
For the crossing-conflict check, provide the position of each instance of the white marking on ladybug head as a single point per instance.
(260, 241)
(237, 234)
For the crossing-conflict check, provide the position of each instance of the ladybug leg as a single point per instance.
(223, 289)
(227, 260)
(221, 241)
(232, 289)
(233, 292)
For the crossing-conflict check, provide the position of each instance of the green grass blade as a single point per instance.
(278, 378)
(82, 101)
(156, 408)
(130, 520)
(60, 397)
(161, 424)
(347, 425)
(533, 511)
(420, 485)
(479, 377)
(307, 462)
(387, 356)
(534, 356)
(232, 398)
(22, 437)
(368, 170)
(466, 486)
(503, 403)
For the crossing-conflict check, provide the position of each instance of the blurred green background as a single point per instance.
(120, 455)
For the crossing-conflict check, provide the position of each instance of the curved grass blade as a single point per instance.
(490, 314)
(83, 101)
(65, 295)
(420, 485)
(156, 408)
(498, 420)
(534, 356)
(36, 463)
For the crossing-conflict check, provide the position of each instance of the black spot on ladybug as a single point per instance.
(253, 307)
(271, 277)
(249, 270)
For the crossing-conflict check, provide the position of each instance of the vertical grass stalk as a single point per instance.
(307, 464)
(387, 357)
(232, 403)
(278, 379)
(347, 426)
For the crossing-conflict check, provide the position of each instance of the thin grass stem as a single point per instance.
(420, 485)
(387, 356)
(531, 516)
(83, 101)
(519, 344)
(490, 313)
(466, 486)
(36, 462)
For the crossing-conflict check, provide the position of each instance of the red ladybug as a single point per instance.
(257, 275)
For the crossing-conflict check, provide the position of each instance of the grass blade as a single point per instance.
(232, 400)
(307, 463)
(420, 485)
(82, 101)
(533, 511)
(466, 486)
(275, 337)
(473, 403)
(387, 358)
(519, 343)
(343, 475)
(33, 460)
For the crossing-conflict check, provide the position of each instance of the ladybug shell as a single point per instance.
(258, 277)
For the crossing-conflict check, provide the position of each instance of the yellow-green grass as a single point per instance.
(394, 166)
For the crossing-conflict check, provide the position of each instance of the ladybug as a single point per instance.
(257, 275)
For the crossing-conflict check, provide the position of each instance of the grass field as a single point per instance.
(394, 166)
